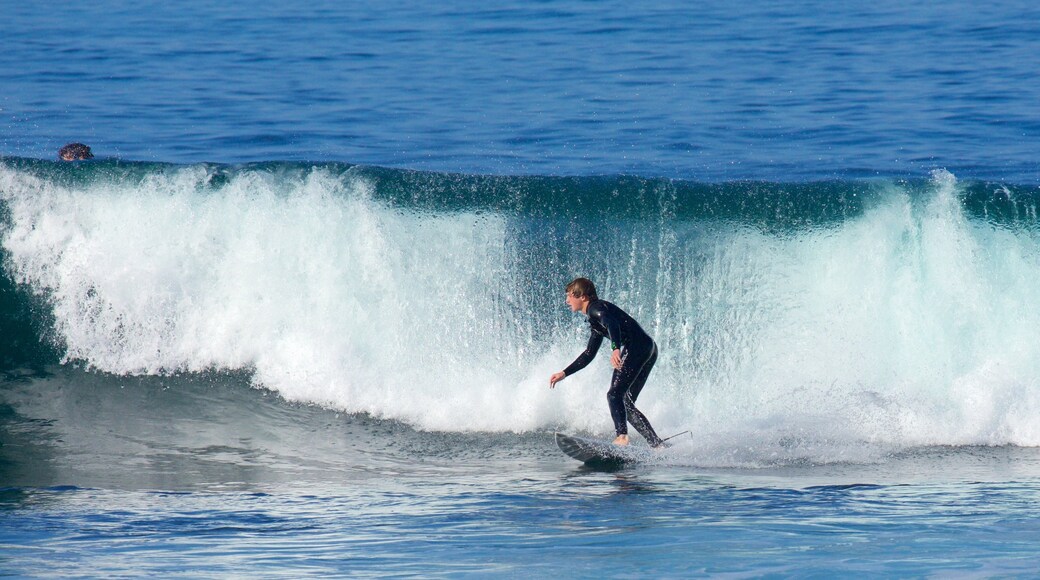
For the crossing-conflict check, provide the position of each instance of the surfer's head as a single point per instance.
(582, 288)
(75, 152)
(580, 292)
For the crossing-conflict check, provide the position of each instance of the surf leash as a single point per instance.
(674, 436)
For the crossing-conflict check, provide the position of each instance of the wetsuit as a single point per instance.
(638, 355)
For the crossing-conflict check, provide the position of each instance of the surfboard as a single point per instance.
(599, 452)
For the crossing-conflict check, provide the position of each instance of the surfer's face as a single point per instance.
(576, 304)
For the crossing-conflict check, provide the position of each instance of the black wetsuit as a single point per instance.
(638, 355)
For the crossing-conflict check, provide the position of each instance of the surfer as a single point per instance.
(75, 152)
(633, 357)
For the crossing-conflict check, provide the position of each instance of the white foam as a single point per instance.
(907, 325)
(910, 325)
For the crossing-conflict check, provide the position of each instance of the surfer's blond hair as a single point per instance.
(582, 288)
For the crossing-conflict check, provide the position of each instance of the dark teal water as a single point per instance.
(299, 317)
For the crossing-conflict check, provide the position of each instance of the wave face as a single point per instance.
(810, 318)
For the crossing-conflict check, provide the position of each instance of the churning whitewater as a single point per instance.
(823, 322)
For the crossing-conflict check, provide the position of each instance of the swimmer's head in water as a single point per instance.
(75, 152)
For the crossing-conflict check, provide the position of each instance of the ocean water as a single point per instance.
(298, 317)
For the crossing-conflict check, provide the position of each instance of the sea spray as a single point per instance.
(797, 322)
(900, 328)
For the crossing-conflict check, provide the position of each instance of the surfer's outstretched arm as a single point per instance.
(583, 360)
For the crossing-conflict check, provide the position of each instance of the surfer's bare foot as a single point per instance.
(621, 440)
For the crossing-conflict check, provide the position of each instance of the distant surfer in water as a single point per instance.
(633, 357)
(75, 152)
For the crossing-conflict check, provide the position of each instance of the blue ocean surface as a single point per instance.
(298, 316)
(716, 91)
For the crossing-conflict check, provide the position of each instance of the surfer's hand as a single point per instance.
(555, 378)
(615, 358)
